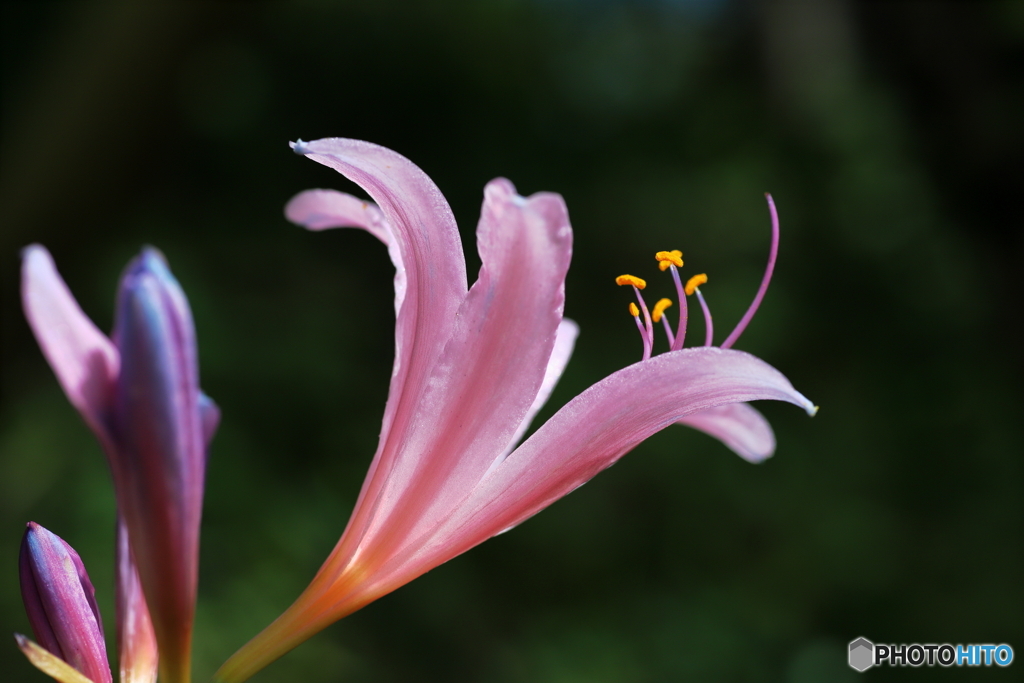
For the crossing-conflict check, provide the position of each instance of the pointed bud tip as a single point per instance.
(150, 260)
(29, 249)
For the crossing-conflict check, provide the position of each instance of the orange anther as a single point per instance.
(631, 280)
(659, 309)
(694, 282)
(669, 258)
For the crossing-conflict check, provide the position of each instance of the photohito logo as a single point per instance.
(864, 654)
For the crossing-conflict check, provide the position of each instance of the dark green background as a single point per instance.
(891, 138)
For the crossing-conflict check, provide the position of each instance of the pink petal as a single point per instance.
(565, 342)
(324, 209)
(492, 369)
(430, 250)
(83, 358)
(739, 426)
(589, 434)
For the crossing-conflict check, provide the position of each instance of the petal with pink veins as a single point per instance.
(565, 342)
(589, 434)
(431, 255)
(491, 370)
(739, 426)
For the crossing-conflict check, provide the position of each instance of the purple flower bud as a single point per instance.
(161, 426)
(61, 603)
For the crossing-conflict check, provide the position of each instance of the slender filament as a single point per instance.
(647, 314)
(658, 314)
(680, 337)
(648, 342)
(709, 330)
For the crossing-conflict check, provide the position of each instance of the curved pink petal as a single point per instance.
(739, 426)
(430, 248)
(589, 434)
(83, 358)
(324, 209)
(565, 342)
(493, 367)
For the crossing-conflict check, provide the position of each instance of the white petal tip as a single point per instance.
(299, 147)
(812, 410)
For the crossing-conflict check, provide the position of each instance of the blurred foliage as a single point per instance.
(890, 137)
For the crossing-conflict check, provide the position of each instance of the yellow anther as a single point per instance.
(669, 258)
(694, 282)
(633, 310)
(631, 280)
(659, 309)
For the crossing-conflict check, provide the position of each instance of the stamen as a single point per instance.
(647, 315)
(669, 258)
(680, 336)
(638, 284)
(693, 286)
(709, 328)
(772, 254)
(658, 314)
(694, 282)
(635, 312)
(631, 280)
(659, 309)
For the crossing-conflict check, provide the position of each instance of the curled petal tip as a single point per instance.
(807, 404)
(300, 147)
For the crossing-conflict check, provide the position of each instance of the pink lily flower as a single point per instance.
(472, 368)
(139, 393)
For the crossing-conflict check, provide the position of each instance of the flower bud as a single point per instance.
(161, 427)
(61, 603)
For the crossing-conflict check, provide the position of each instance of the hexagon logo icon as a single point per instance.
(862, 654)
